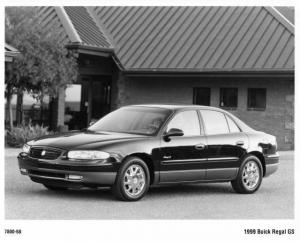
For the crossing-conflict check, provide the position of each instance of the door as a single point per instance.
(226, 144)
(95, 98)
(87, 101)
(181, 157)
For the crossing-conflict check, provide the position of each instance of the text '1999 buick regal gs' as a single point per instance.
(142, 145)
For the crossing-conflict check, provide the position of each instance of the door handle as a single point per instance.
(200, 146)
(239, 143)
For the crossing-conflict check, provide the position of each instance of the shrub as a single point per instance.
(19, 135)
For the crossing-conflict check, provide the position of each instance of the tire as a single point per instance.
(55, 188)
(132, 181)
(249, 177)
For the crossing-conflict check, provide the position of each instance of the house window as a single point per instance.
(201, 96)
(229, 97)
(257, 98)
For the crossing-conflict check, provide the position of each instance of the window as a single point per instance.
(215, 122)
(229, 97)
(187, 121)
(232, 126)
(134, 120)
(257, 99)
(201, 96)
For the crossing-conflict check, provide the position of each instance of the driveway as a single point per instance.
(25, 199)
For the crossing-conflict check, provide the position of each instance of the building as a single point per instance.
(237, 58)
(10, 53)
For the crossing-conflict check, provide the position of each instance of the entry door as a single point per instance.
(226, 144)
(182, 157)
(95, 100)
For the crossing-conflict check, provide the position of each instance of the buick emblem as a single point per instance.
(43, 153)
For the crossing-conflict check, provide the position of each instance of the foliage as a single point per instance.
(44, 64)
(19, 135)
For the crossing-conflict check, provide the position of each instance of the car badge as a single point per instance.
(43, 153)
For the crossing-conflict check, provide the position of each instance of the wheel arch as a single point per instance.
(149, 162)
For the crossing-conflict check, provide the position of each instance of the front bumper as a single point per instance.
(272, 163)
(52, 172)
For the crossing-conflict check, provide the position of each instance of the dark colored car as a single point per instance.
(138, 146)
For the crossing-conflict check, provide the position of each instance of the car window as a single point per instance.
(215, 122)
(135, 120)
(232, 126)
(187, 121)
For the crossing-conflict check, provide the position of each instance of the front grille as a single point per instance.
(46, 174)
(44, 153)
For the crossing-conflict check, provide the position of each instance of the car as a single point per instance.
(138, 146)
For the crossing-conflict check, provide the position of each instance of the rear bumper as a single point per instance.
(272, 164)
(54, 174)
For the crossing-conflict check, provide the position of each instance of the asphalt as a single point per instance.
(25, 199)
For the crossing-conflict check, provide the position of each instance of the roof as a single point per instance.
(193, 39)
(287, 12)
(90, 33)
(10, 52)
(174, 106)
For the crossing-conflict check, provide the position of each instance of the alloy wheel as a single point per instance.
(134, 180)
(251, 175)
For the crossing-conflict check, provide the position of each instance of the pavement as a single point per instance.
(25, 199)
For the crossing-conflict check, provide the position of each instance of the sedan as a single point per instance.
(138, 146)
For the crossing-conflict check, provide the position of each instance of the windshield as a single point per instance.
(133, 120)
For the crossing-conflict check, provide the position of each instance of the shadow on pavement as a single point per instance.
(192, 189)
(156, 191)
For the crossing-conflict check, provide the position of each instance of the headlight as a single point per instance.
(88, 155)
(26, 148)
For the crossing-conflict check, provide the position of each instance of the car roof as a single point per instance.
(176, 106)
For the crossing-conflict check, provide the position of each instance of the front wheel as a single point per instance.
(249, 176)
(132, 181)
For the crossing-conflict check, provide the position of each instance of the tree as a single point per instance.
(44, 65)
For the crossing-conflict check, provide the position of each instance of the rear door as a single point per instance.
(226, 144)
(182, 157)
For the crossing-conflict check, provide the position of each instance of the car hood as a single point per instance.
(76, 139)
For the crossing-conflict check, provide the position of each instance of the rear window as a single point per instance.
(232, 126)
(215, 122)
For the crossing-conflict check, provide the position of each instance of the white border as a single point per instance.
(147, 229)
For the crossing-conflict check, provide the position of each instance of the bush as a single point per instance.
(19, 135)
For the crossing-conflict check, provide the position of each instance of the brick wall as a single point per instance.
(277, 119)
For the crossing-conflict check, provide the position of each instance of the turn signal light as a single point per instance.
(74, 177)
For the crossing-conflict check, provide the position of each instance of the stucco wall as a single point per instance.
(277, 119)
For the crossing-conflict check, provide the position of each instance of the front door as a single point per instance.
(182, 157)
(226, 144)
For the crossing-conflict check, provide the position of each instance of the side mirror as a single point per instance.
(172, 132)
(92, 123)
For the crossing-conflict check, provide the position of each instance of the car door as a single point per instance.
(226, 144)
(181, 157)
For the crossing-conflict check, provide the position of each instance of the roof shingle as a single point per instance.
(87, 29)
(189, 38)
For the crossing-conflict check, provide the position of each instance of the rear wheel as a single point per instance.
(55, 188)
(132, 181)
(249, 176)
